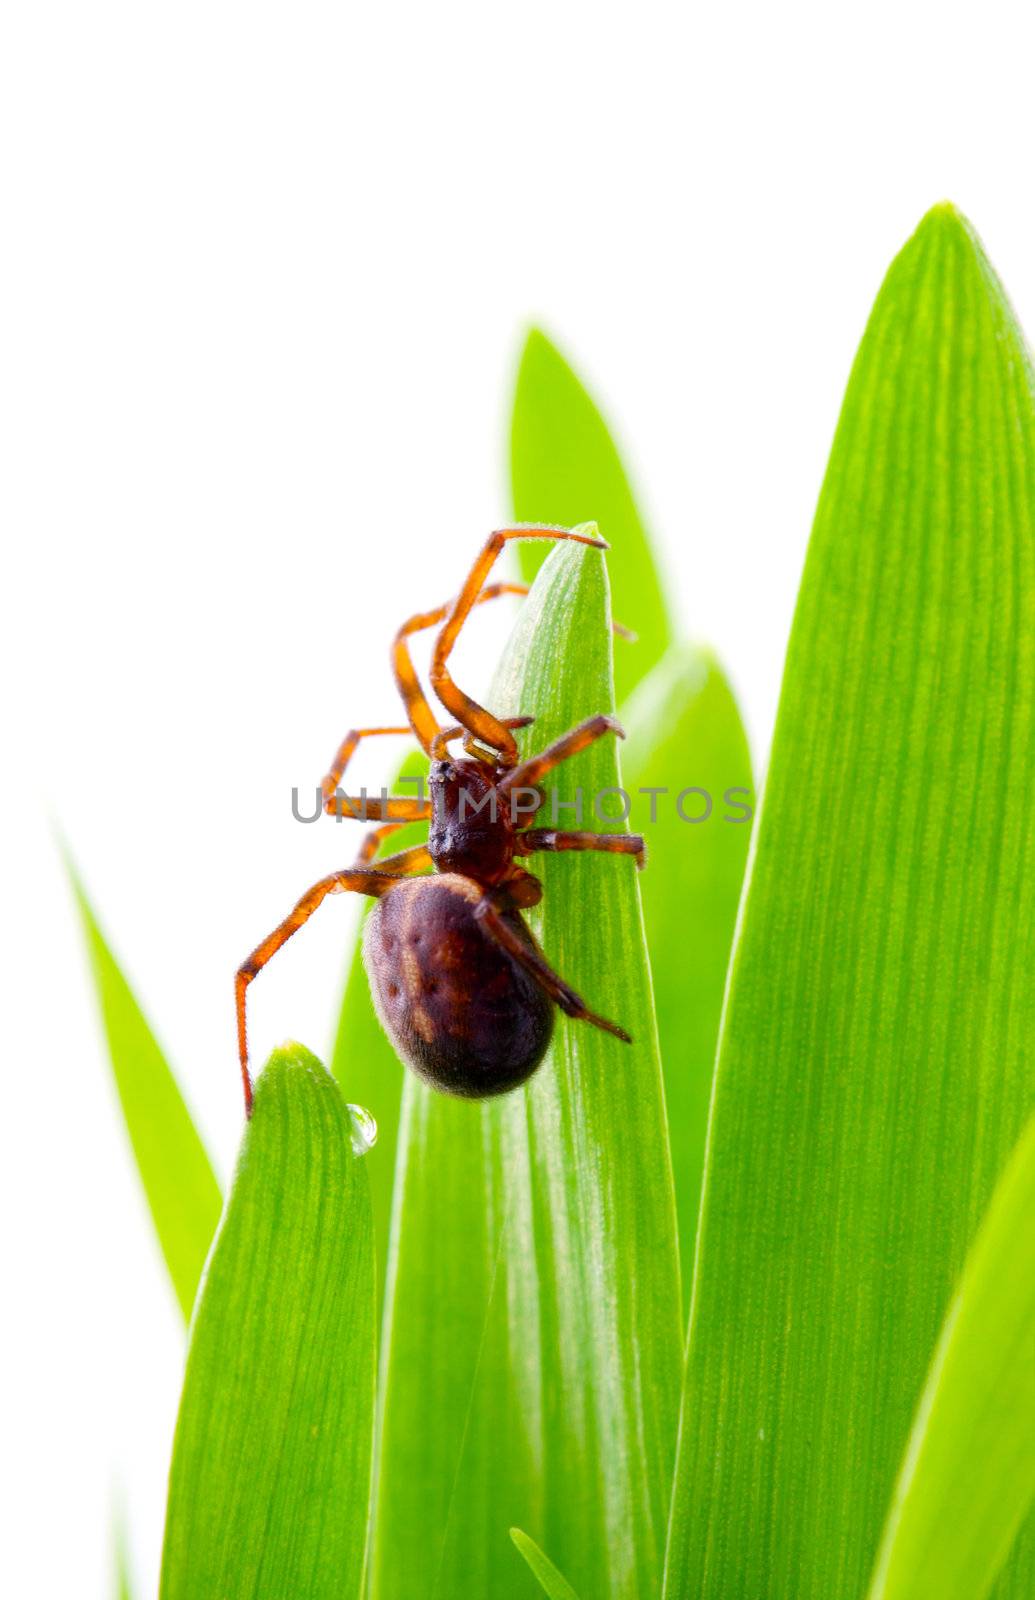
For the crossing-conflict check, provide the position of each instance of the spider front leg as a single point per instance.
(346, 750)
(422, 718)
(619, 844)
(359, 882)
(442, 739)
(401, 808)
(531, 772)
(397, 808)
(479, 722)
(416, 859)
(371, 843)
(487, 912)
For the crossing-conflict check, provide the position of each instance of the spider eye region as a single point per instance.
(471, 830)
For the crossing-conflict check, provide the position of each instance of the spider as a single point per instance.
(460, 985)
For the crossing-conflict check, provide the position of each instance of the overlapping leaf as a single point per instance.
(684, 730)
(123, 1585)
(875, 1063)
(564, 468)
(689, 780)
(968, 1478)
(684, 733)
(534, 1245)
(269, 1487)
(552, 1582)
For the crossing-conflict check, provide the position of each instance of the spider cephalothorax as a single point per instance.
(460, 985)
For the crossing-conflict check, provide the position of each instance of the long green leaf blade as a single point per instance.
(874, 1067)
(269, 1487)
(174, 1167)
(123, 1585)
(552, 1582)
(684, 731)
(443, 1258)
(562, 453)
(968, 1477)
(686, 739)
(564, 468)
(534, 1237)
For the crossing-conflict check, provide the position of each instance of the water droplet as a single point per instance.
(364, 1129)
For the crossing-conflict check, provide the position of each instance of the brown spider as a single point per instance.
(459, 983)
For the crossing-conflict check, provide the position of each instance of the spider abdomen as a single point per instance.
(457, 1007)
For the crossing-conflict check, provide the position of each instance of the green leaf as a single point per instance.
(443, 1254)
(685, 734)
(875, 1062)
(269, 1487)
(123, 1590)
(123, 1583)
(565, 468)
(551, 1581)
(534, 1237)
(684, 731)
(969, 1472)
(363, 1061)
(174, 1167)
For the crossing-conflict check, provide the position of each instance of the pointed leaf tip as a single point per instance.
(565, 468)
(538, 346)
(945, 214)
(292, 1059)
(944, 234)
(270, 1478)
(552, 1582)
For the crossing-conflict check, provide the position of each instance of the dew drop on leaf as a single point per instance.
(364, 1129)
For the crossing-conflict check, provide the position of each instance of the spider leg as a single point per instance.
(445, 735)
(346, 750)
(530, 772)
(488, 913)
(400, 808)
(415, 859)
(371, 843)
(522, 889)
(479, 722)
(422, 719)
(621, 844)
(361, 882)
(380, 808)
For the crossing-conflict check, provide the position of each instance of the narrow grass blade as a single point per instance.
(968, 1477)
(565, 468)
(123, 1585)
(684, 731)
(443, 1256)
(362, 1060)
(551, 1581)
(173, 1164)
(687, 746)
(545, 1225)
(269, 1487)
(875, 1062)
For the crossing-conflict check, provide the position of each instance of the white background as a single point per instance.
(266, 271)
